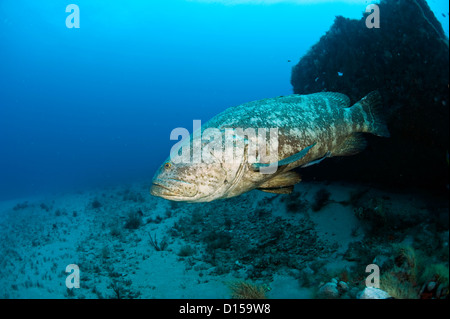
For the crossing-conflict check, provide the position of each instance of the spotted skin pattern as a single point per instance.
(324, 119)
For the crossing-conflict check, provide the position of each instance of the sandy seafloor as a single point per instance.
(278, 241)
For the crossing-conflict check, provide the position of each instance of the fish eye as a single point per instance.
(167, 165)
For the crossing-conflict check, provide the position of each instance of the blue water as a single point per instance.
(96, 105)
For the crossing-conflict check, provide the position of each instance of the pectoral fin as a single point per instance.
(286, 161)
(282, 180)
(281, 184)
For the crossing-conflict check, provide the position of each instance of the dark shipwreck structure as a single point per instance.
(407, 61)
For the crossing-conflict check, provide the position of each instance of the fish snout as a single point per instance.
(173, 188)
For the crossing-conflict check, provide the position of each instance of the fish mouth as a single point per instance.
(173, 189)
(158, 189)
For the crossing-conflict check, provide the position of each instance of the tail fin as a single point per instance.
(375, 120)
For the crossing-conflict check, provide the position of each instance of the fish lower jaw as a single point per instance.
(161, 191)
(166, 193)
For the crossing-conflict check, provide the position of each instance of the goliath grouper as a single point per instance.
(310, 129)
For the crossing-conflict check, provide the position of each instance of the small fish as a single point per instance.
(310, 127)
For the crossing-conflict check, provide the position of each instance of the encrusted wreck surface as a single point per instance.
(407, 60)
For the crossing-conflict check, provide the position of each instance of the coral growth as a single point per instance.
(321, 198)
(412, 272)
(96, 204)
(158, 246)
(247, 290)
(134, 220)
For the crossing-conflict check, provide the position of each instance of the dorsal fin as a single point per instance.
(339, 98)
